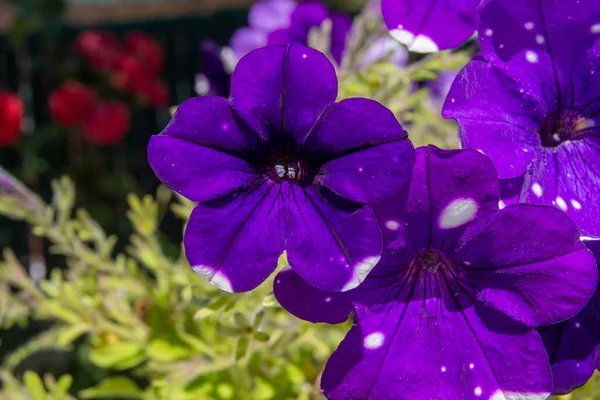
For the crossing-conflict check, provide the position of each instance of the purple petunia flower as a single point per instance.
(282, 167)
(273, 22)
(427, 26)
(534, 107)
(574, 345)
(449, 310)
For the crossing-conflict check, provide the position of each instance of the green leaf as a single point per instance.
(263, 390)
(261, 336)
(71, 333)
(242, 347)
(119, 356)
(121, 387)
(62, 387)
(35, 386)
(165, 350)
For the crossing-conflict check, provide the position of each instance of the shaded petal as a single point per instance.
(333, 244)
(495, 117)
(427, 26)
(365, 144)
(574, 345)
(210, 121)
(449, 190)
(306, 15)
(217, 79)
(309, 303)
(561, 28)
(568, 177)
(341, 25)
(440, 347)
(535, 276)
(283, 89)
(235, 242)
(196, 172)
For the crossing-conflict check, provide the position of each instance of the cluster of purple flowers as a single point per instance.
(469, 273)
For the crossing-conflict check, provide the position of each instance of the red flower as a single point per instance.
(146, 50)
(108, 123)
(71, 103)
(11, 116)
(100, 48)
(159, 94)
(129, 73)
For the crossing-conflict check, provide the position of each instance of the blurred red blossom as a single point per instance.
(108, 123)
(100, 48)
(11, 117)
(147, 50)
(71, 102)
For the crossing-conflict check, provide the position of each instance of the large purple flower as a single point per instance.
(427, 26)
(574, 345)
(282, 167)
(534, 107)
(448, 312)
(273, 22)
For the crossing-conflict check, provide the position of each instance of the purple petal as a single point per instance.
(494, 117)
(333, 244)
(307, 15)
(340, 29)
(433, 343)
(269, 15)
(530, 272)
(175, 163)
(427, 26)
(214, 70)
(562, 28)
(449, 190)
(244, 40)
(309, 303)
(574, 345)
(365, 144)
(283, 89)
(568, 178)
(245, 229)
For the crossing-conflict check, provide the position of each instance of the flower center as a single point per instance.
(431, 261)
(562, 126)
(287, 169)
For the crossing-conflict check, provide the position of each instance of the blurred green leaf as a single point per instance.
(123, 355)
(115, 386)
(35, 386)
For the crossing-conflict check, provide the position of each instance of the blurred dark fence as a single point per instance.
(34, 71)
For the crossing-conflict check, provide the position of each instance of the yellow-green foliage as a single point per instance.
(151, 316)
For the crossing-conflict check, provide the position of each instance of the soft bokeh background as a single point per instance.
(96, 299)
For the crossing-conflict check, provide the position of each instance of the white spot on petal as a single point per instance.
(489, 32)
(531, 56)
(374, 340)
(537, 189)
(419, 44)
(217, 278)
(457, 213)
(471, 366)
(361, 169)
(361, 270)
(577, 325)
(508, 395)
(443, 369)
(595, 28)
(327, 299)
(529, 25)
(304, 55)
(478, 391)
(539, 39)
(560, 202)
(501, 205)
(392, 225)
(576, 205)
